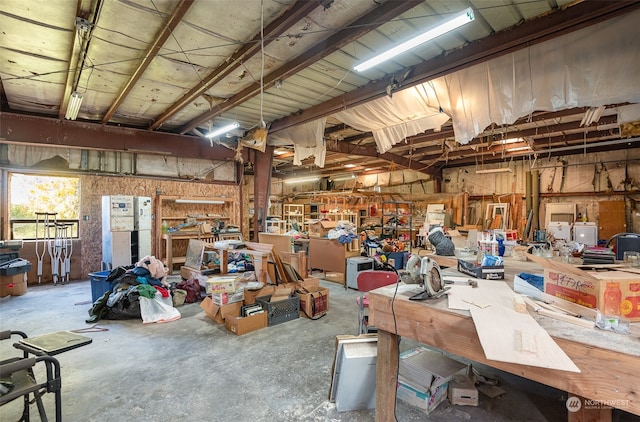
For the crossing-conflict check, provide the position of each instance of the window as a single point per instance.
(41, 206)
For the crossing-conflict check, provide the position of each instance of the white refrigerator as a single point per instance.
(141, 235)
(117, 225)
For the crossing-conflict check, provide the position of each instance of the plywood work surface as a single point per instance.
(505, 334)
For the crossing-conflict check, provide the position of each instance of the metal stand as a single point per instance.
(42, 218)
(66, 249)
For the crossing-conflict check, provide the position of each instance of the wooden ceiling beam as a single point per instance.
(167, 29)
(353, 31)
(272, 32)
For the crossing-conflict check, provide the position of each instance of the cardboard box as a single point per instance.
(476, 270)
(226, 298)
(615, 292)
(13, 285)
(423, 377)
(218, 313)
(310, 282)
(462, 391)
(427, 400)
(321, 228)
(243, 325)
(223, 284)
(250, 295)
(315, 303)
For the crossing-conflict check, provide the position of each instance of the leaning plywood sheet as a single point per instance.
(505, 334)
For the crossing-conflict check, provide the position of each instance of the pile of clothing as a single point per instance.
(138, 291)
(344, 232)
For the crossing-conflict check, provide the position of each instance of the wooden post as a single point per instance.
(388, 349)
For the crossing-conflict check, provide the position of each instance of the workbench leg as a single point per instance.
(386, 376)
(586, 411)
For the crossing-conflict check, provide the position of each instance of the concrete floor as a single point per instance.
(195, 370)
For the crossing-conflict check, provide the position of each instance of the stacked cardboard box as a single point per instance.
(423, 377)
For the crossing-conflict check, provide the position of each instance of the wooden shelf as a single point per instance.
(175, 209)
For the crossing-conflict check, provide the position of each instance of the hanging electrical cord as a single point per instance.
(262, 122)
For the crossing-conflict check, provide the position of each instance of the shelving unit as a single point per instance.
(195, 216)
(397, 220)
(274, 224)
(313, 210)
(293, 213)
(342, 216)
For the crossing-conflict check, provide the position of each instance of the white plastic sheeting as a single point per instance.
(592, 67)
(394, 118)
(307, 140)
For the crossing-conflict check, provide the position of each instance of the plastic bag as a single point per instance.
(158, 309)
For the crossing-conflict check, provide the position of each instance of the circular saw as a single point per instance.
(426, 272)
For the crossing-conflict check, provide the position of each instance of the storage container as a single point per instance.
(99, 284)
(282, 310)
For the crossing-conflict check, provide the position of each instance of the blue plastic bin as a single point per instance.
(99, 284)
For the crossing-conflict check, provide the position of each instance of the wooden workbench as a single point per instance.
(168, 239)
(609, 362)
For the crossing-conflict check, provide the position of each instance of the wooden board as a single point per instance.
(615, 221)
(268, 249)
(507, 335)
(282, 243)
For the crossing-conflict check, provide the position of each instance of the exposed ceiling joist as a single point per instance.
(176, 17)
(271, 32)
(361, 26)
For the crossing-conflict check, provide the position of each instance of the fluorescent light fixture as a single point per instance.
(511, 141)
(303, 180)
(342, 178)
(456, 22)
(73, 108)
(223, 129)
(518, 149)
(498, 170)
(349, 165)
(199, 201)
(279, 152)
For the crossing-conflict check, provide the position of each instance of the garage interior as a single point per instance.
(238, 119)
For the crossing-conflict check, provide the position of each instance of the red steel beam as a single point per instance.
(45, 131)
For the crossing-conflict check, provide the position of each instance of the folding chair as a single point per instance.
(367, 281)
(18, 380)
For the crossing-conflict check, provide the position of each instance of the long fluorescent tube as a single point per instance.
(456, 22)
(307, 179)
(199, 201)
(499, 170)
(342, 178)
(73, 108)
(223, 129)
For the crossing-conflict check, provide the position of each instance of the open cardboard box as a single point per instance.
(243, 325)
(314, 301)
(321, 228)
(590, 287)
(218, 313)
